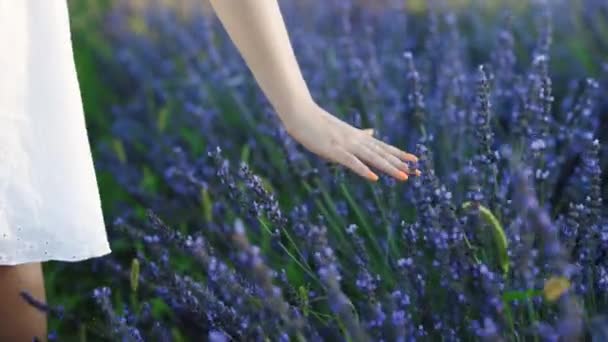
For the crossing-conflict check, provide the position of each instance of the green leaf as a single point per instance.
(207, 205)
(194, 138)
(163, 118)
(82, 333)
(119, 149)
(138, 25)
(134, 274)
(149, 181)
(500, 239)
(510, 296)
(245, 152)
(303, 294)
(177, 335)
(159, 307)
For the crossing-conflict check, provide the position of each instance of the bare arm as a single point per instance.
(257, 29)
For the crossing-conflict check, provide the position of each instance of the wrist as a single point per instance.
(293, 106)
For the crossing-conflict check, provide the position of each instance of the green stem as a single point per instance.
(361, 218)
(468, 243)
(305, 269)
(333, 219)
(369, 232)
(391, 248)
(533, 317)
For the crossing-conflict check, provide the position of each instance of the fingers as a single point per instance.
(389, 157)
(349, 160)
(391, 149)
(377, 153)
(397, 152)
(372, 157)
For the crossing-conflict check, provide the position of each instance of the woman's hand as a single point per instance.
(258, 31)
(337, 141)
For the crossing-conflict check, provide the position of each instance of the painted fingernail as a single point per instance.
(410, 156)
(372, 176)
(403, 176)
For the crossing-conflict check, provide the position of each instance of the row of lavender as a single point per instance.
(246, 236)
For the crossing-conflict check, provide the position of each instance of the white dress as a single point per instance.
(50, 207)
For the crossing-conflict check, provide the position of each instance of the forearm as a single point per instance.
(257, 29)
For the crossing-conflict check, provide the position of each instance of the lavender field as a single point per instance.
(223, 228)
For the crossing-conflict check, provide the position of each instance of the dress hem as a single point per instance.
(63, 257)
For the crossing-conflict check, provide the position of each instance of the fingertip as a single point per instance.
(372, 176)
(410, 157)
(369, 131)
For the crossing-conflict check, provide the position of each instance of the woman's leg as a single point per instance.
(18, 320)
